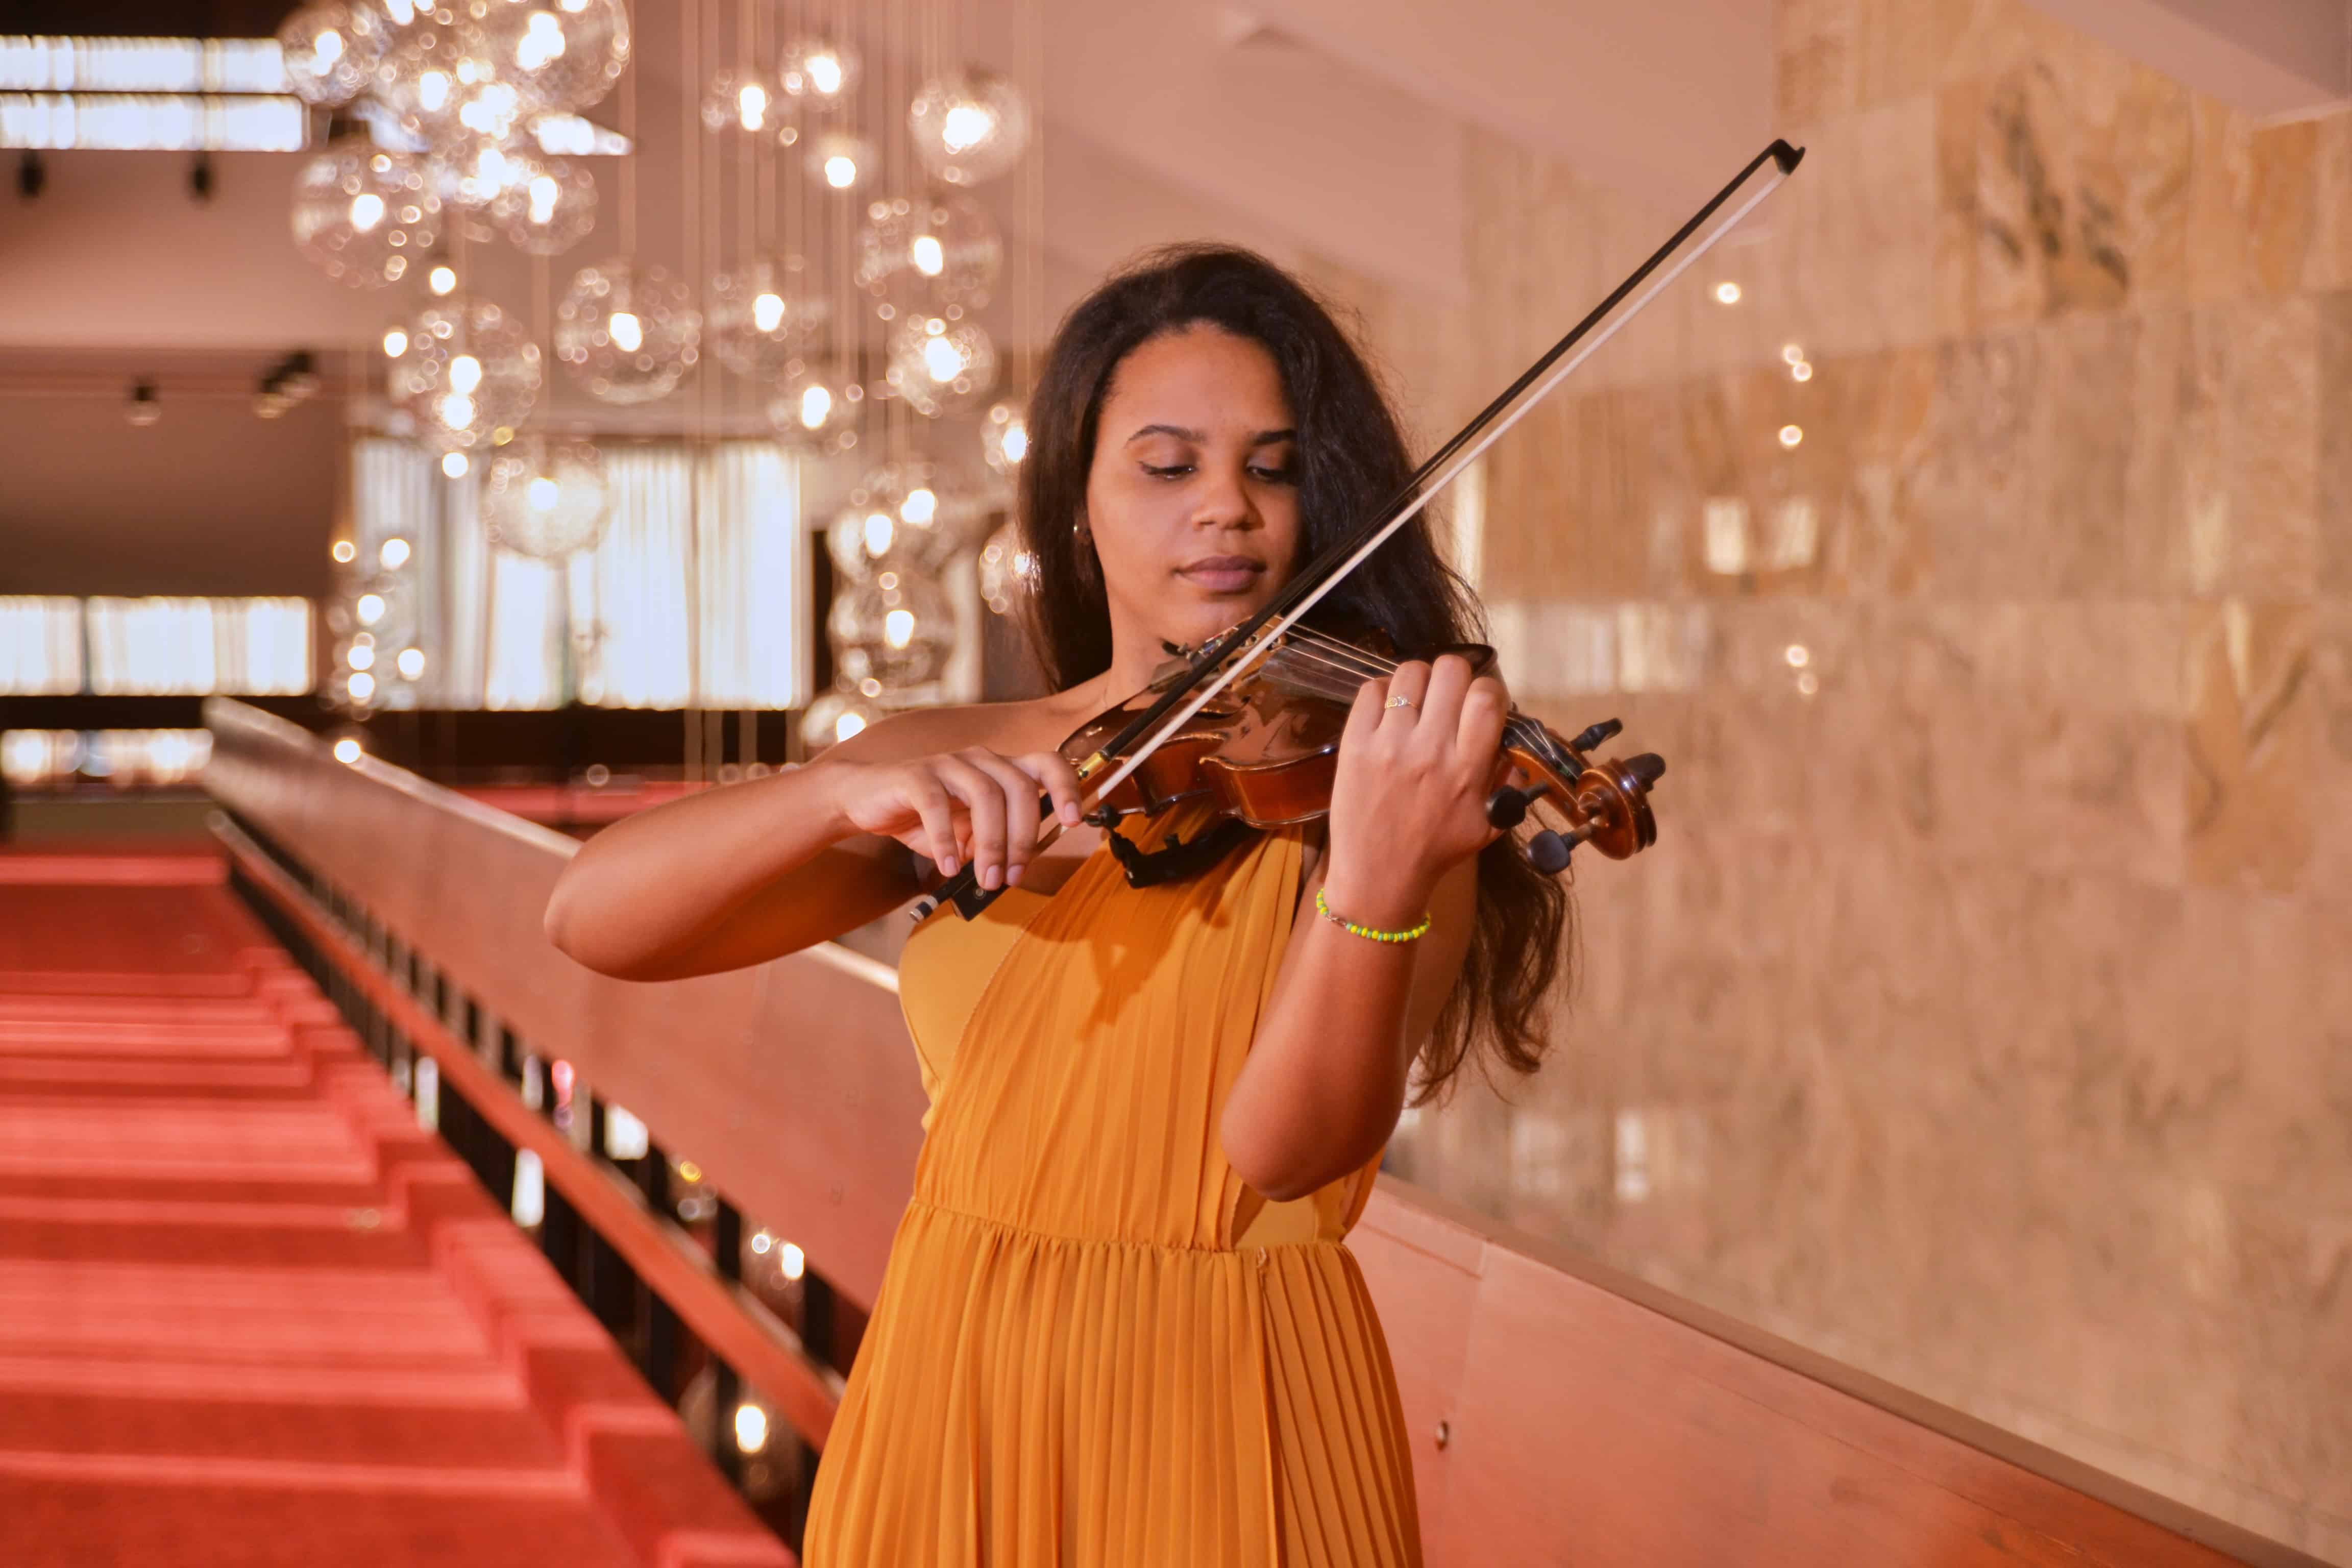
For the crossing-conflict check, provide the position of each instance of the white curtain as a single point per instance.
(190, 646)
(40, 647)
(697, 593)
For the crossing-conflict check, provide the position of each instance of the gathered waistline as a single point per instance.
(1122, 1243)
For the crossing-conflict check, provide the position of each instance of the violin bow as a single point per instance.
(1232, 654)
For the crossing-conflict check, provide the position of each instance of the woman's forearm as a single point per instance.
(1328, 1069)
(640, 894)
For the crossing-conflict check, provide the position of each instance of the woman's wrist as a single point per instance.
(1389, 897)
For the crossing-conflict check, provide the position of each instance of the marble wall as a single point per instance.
(1984, 1015)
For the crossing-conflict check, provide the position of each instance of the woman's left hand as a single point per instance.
(1420, 754)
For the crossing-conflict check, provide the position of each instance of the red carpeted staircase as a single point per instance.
(250, 1313)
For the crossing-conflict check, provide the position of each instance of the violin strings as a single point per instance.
(1333, 653)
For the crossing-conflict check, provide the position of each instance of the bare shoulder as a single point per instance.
(1010, 728)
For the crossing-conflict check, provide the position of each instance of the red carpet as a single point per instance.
(250, 1313)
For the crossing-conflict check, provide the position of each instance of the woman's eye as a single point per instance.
(1282, 476)
(1174, 471)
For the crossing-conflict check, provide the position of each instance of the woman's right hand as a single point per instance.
(973, 804)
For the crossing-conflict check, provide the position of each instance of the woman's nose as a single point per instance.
(1224, 500)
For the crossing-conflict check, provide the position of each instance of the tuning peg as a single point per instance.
(1507, 808)
(1594, 736)
(1646, 769)
(1548, 852)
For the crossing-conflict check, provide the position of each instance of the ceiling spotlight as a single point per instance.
(443, 278)
(454, 464)
(1727, 293)
(146, 406)
(1790, 434)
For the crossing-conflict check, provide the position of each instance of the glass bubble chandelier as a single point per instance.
(563, 55)
(467, 375)
(837, 715)
(903, 513)
(929, 251)
(816, 408)
(968, 128)
(819, 74)
(627, 333)
(549, 207)
(765, 314)
(546, 498)
(941, 366)
(331, 50)
(897, 628)
(364, 215)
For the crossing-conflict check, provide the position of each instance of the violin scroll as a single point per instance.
(1605, 803)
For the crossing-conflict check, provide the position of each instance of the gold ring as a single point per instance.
(1401, 703)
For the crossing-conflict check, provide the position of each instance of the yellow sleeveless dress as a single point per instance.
(1095, 1345)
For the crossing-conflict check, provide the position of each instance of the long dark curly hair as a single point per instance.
(1350, 461)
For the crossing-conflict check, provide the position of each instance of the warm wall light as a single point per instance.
(347, 751)
(454, 464)
(395, 554)
(443, 278)
(395, 343)
(1727, 292)
(1802, 370)
(345, 552)
(1790, 434)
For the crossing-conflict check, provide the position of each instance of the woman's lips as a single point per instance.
(1225, 573)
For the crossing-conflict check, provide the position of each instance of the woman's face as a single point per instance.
(1193, 498)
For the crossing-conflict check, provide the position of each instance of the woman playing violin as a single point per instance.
(1119, 1326)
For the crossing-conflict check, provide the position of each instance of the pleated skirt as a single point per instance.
(1029, 1399)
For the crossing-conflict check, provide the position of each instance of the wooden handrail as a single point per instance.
(1560, 1411)
(733, 1322)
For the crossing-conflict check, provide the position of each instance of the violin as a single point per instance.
(1253, 719)
(1264, 753)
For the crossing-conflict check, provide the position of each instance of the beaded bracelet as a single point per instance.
(1369, 933)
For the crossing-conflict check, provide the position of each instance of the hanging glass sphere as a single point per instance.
(1004, 438)
(1008, 572)
(383, 610)
(929, 251)
(629, 333)
(968, 128)
(764, 315)
(745, 102)
(426, 77)
(837, 715)
(549, 207)
(940, 366)
(815, 409)
(897, 628)
(564, 54)
(361, 213)
(469, 375)
(817, 73)
(331, 50)
(404, 14)
(843, 160)
(473, 172)
(546, 499)
(903, 514)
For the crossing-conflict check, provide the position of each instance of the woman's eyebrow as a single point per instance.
(1262, 438)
